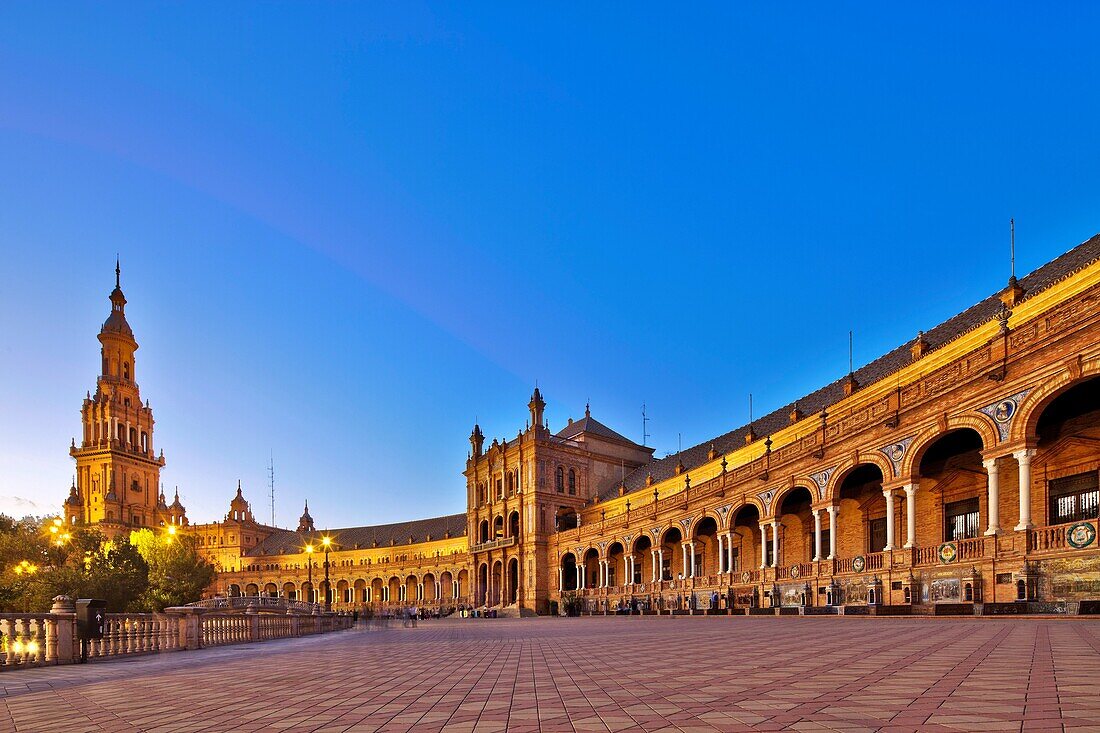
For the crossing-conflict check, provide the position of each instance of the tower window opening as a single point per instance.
(572, 481)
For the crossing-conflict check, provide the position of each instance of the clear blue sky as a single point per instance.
(347, 230)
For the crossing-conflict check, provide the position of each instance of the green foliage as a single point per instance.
(177, 573)
(144, 572)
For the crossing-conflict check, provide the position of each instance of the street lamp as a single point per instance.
(26, 568)
(309, 567)
(326, 542)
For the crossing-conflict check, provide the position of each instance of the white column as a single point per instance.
(690, 547)
(652, 566)
(606, 573)
(561, 578)
(580, 576)
(832, 532)
(910, 516)
(763, 545)
(628, 577)
(721, 554)
(888, 494)
(729, 552)
(661, 561)
(1023, 457)
(817, 534)
(775, 543)
(993, 496)
(684, 559)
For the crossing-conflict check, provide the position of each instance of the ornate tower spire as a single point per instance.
(537, 406)
(477, 440)
(117, 470)
(305, 524)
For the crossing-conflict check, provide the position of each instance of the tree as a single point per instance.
(24, 561)
(177, 572)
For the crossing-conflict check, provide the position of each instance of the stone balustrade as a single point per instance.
(38, 639)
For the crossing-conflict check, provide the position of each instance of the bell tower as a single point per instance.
(117, 472)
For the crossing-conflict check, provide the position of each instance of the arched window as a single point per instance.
(561, 480)
(572, 481)
(125, 370)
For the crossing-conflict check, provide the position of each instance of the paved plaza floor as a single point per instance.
(595, 674)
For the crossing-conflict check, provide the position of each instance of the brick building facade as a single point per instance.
(959, 468)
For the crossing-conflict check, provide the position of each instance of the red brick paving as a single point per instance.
(600, 674)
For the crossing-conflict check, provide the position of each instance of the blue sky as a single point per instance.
(347, 230)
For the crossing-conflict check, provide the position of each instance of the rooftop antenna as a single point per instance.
(645, 434)
(1012, 246)
(271, 485)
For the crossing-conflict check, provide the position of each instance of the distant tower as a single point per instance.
(239, 508)
(477, 440)
(305, 524)
(176, 512)
(117, 472)
(537, 406)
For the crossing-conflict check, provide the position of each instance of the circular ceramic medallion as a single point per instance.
(896, 452)
(1004, 411)
(1080, 535)
(795, 571)
(948, 552)
(858, 563)
(745, 577)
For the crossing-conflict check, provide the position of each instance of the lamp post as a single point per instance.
(326, 542)
(309, 568)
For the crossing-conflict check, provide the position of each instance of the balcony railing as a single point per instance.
(493, 544)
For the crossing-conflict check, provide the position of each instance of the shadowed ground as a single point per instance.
(599, 674)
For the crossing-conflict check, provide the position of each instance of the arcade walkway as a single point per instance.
(600, 674)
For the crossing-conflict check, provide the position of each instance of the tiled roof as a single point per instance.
(1058, 269)
(288, 542)
(591, 425)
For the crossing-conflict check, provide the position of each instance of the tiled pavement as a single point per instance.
(601, 674)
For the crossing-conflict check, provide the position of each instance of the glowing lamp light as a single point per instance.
(326, 541)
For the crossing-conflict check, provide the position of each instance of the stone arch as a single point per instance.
(289, 591)
(874, 458)
(737, 507)
(1026, 422)
(980, 424)
(782, 493)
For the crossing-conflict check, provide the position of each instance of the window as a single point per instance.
(561, 480)
(768, 559)
(960, 520)
(1074, 498)
(572, 481)
(876, 535)
(126, 370)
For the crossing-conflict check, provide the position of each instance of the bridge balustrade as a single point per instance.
(39, 639)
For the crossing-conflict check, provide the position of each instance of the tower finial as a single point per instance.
(118, 272)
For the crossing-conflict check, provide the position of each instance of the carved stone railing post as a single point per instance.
(253, 617)
(189, 622)
(61, 641)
